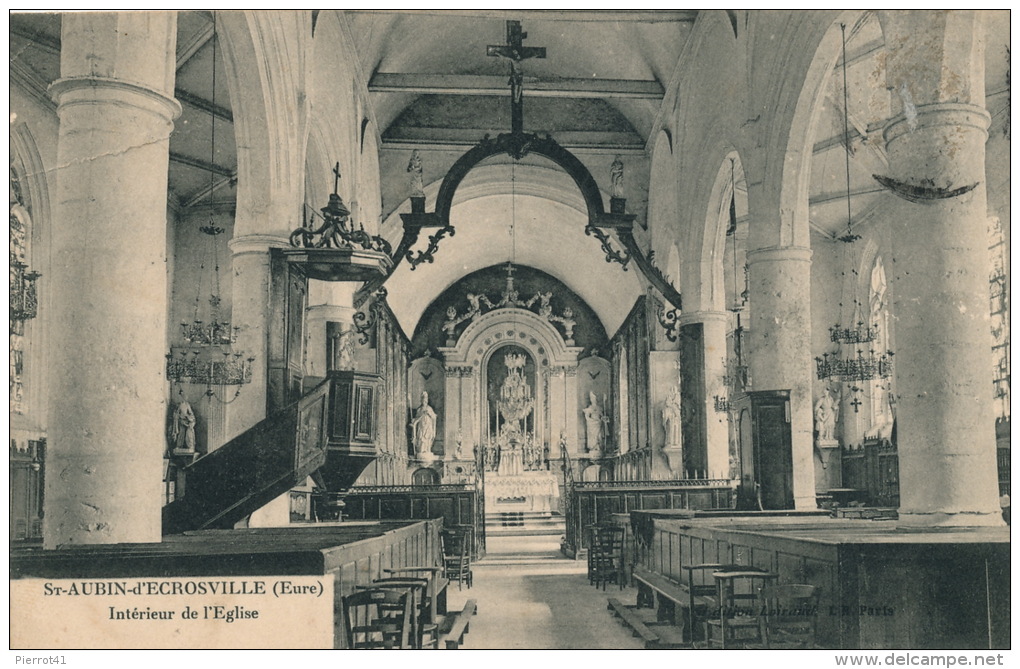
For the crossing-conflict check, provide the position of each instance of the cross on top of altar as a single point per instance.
(515, 51)
(511, 298)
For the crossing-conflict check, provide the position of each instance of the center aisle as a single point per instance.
(530, 596)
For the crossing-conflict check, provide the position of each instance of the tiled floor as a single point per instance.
(530, 596)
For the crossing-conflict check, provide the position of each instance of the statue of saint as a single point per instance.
(423, 426)
(182, 433)
(595, 420)
(825, 417)
(616, 177)
(414, 168)
(671, 418)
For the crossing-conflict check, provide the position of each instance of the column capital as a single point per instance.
(71, 91)
(332, 312)
(778, 254)
(256, 243)
(953, 114)
(704, 316)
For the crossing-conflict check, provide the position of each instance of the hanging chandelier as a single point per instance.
(208, 359)
(856, 365)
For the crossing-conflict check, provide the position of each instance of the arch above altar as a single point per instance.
(511, 325)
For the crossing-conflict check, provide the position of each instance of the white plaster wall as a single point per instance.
(549, 236)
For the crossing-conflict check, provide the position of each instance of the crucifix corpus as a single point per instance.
(515, 51)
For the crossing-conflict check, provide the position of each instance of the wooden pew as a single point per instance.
(456, 625)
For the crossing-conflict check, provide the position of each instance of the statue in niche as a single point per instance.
(672, 414)
(616, 177)
(423, 427)
(595, 420)
(825, 417)
(182, 432)
(414, 168)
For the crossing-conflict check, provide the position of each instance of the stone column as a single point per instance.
(780, 348)
(575, 440)
(107, 281)
(938, 273)
(328, 303)
(558, 408)
(250, 310)
(715, 325)
(453, 418)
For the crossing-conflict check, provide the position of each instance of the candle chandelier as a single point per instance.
(855, 362)
(208, 358)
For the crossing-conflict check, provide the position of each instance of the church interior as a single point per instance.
(688, 309)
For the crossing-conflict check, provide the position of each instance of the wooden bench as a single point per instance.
(675, 603)
(456, 625)
(654, 634)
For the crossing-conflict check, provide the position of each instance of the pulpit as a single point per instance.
(352, 430)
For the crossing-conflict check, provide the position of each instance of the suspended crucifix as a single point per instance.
(518, 144)
(515, 51)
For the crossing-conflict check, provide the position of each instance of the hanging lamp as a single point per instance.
(855, 362)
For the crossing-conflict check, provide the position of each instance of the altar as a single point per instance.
(529, 491)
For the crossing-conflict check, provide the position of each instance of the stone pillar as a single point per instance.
(780, 348)
(558, 408)
(715, 325)
(454, 419)
(107, 281)
(938, 273)
(575, 439)
(250, 310)
(328, 303)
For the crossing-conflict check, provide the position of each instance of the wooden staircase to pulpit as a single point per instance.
(331, 430)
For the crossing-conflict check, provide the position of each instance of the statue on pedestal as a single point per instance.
(595, 420)
(414, 168)
(825, 418)
(423, 427)
(671, 419)
(182, 432)
(616, 178)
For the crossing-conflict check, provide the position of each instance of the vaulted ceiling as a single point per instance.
(599, 87)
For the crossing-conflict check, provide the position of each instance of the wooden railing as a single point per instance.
(594, 502)
(252, 469)
(456, 504)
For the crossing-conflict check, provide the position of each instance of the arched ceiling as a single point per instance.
(547, 234)
(618, 59)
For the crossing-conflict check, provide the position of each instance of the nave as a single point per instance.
(531, 596)
(291, 290)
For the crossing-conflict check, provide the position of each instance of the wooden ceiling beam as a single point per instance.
(470, 84)
(182, 159)
(41, 40)
(578, 16)
(189, 50)
(204, 105)
(459, 139)
(829, 198)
